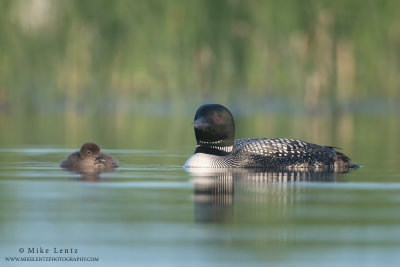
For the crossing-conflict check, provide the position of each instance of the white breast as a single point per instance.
(201, 160)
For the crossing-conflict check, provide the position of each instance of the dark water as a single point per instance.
(151, 212)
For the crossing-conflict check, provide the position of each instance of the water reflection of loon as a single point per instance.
(216, 191)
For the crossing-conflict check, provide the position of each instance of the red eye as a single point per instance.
(217, 118)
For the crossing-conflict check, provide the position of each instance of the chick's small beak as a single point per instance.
(200, 123)
(100, 158)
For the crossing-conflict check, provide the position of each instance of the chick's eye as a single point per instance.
(89, 152)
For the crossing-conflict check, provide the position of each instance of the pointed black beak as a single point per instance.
(100, 159)
(200, 123)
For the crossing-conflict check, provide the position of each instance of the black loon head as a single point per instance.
(214, 126)
(91, 151)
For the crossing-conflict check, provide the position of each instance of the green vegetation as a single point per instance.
(68, 56)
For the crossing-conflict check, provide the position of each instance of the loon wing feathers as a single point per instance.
(281, 147)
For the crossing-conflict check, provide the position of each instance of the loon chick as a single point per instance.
(216, 147)
(89, 160)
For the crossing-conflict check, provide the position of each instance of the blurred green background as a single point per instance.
(130, 74)
(74, 55)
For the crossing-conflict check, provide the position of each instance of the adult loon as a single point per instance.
(89, 160)
(214, 128)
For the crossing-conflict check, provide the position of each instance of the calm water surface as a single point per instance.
(151, 212)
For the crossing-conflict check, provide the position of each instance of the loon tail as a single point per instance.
(341, 160)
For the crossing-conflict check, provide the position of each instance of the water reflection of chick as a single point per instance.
(89, 161)
(217, 191)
